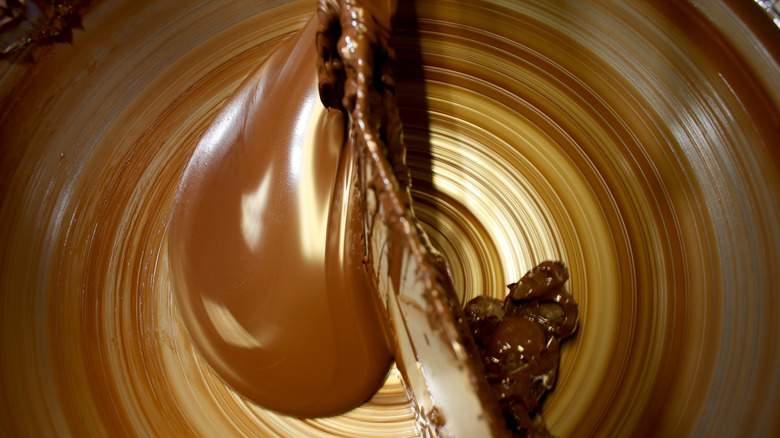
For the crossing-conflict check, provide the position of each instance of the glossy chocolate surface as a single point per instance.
(631, 139)
(518, 340)
(266, 247)
(433, 347)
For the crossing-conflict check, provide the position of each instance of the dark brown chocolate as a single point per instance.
(519, 339)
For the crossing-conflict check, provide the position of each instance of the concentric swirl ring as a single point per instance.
(636, 141)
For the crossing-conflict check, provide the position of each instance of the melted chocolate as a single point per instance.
(25, 22)
(98, 132)
(519, 341)
(284, 224)
(355, 74)
(433, 347)
(265, 247)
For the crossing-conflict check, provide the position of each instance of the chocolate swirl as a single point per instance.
(634, 139)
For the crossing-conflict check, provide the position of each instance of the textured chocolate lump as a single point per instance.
(518, 340)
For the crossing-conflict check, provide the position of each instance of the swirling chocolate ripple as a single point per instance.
(636, 141)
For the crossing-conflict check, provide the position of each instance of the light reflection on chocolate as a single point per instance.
(265, 247)
(634, 141)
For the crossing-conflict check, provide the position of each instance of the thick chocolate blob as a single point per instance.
(433, 347)
(265, 247)
(519, 342)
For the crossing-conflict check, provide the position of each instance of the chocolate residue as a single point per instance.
(519, 341)
(412, 278)
(354, 69)
(355, 75)
(631, 139)
(23, 22)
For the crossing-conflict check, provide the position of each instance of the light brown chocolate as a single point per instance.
(265, 247)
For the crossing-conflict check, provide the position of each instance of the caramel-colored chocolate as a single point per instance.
(265, 248)
(277, 212)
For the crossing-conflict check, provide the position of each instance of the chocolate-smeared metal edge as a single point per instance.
(433, 346)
